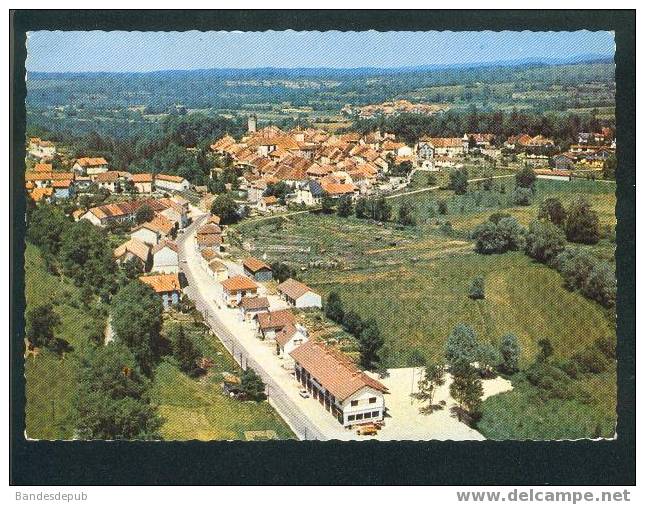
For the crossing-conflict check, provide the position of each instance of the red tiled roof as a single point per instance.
(333, 370)
(239, 283)
(162, 283)
(294, 289)
(275, 320)
(258, 302)
(255, 265)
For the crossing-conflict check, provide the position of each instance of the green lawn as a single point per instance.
(522, 414)
(51, 381)
(418, 305)
(197, 409)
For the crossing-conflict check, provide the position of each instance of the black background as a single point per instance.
(324, 463)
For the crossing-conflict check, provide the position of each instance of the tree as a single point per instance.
(382, 210)
(545, 350)
(41, 323)
(476, 291)
(185, 352)
(280, 190)
(86, 257)
(458, 181)
(136, 321)
(544, 241)
(467, 389)
(327, 204)
(406, 214)
(488, 359)
(353, 323)
(575, 264)
(521, 196)
(506, 235)
(461, 345)
(416, 358)
(144, 214)
(442, 207)
(225, 207)
(609, 167)
(433, 378)
(282, 271)
(334, 307)
(344, 208)
(113, 400)
(525, 178)
(370, 343)
(361, 210)
(510, 351)
(252, 386)
(551, 209)
(601, 284)
(45, 226)
(582, 224)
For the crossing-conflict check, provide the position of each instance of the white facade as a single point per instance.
(146, 236)
(309, 299)
(92, 218)
(162, 184)
(365, 405)
(165, 260)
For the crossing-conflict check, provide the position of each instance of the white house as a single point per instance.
(165, 257)
(299, 295)
(167, 287)
(309, 193)
(236, 287)
(287, 339)
(143, 183)
(133, 249)
(347, 393)
(90, 166)
(251, 306)
(171, 183)
(41, 149)
(440, 146)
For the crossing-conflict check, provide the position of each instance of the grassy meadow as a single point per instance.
(51, 381)
(197, 409)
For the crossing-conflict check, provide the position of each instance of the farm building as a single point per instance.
(257, 269)
(250, 306)
(299, 295)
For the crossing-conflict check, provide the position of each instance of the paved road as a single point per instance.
(292, 414)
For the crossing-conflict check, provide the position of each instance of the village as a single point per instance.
(182, 249)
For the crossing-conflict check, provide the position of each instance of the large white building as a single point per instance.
(347, 393)
(171, 183)
(165, 257)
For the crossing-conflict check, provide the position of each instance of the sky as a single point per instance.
(96, 51)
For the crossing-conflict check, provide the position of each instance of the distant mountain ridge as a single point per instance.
(331, 71)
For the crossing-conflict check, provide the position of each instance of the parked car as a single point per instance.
(304, 393)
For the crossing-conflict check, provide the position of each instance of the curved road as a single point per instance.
(288, 410)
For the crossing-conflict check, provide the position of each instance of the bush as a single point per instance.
(459, 181)
(553, 382)
(510, 351)
(601, 284)
(461, 345)
(582, 224)
(525, 178)
(442, 207)
(476, 291)
(522, 196)
(506, 235)
(551, 209)
(334, 307)
(575, 265)
(544, 241)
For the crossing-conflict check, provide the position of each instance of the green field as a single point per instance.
(51, 382)
(197, 409)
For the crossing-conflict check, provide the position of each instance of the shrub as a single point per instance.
(522, 196)
(459, 181)
(461, 345)
(553, 382)
(525, 178)
(601, 284)
(506, 235)
(551, 209)
(510, 353)
(442, 207)
(582, 224)
(544, 241)
(575, 265)
(591, 360)
(476, 291)
(334, 307)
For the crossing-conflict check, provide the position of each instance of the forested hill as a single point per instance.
(328, 89)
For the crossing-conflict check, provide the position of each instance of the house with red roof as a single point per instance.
(341, 388)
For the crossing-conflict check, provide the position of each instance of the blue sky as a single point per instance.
(148, 51)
